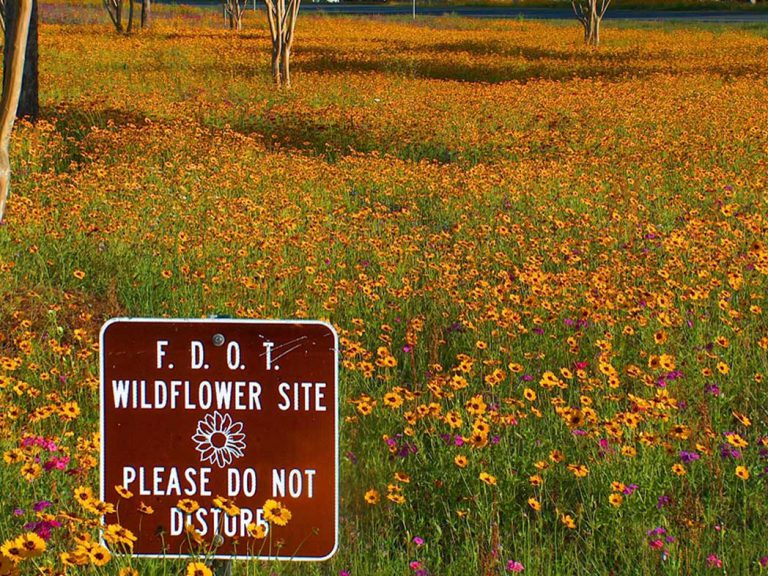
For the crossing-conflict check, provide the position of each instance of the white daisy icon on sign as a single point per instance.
(219, 439)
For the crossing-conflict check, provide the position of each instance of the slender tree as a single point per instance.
(129, 27)
(233, 13)
(145, 10)
(115, 10)
(12, 78)
(29, 101)
(282, 16)
(590, 13)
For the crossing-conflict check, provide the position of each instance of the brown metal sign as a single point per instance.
(220, 437)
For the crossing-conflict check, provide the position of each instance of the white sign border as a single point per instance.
(102, 487)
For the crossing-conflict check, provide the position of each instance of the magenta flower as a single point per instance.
(631, 489)
(688, 457)
(42, 505)
(55, 463)
(43, 528)
(714, 562)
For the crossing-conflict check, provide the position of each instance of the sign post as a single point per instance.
(220, 437)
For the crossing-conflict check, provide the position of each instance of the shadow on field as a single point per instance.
(76, 120)
(498, 62)
(304, 130)
(218, 34)
(521, 65)
(337, 137)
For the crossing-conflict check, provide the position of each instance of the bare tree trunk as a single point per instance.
(2, 14)
(11, 91)
(277, 58)
(233, 14)
(29, 104)
(596, 33)
(271, 15)
(578, 10)
(145, 9)
(285, 67)
(599, 13)
(280, 19)
(115, 10)
(292, 14)
(594, 24)
(282, 23)
(590, 13)
(129, 28)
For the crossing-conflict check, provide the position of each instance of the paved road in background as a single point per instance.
(536, 13)
(565, 13)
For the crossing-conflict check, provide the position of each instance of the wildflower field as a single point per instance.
(547, 265)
